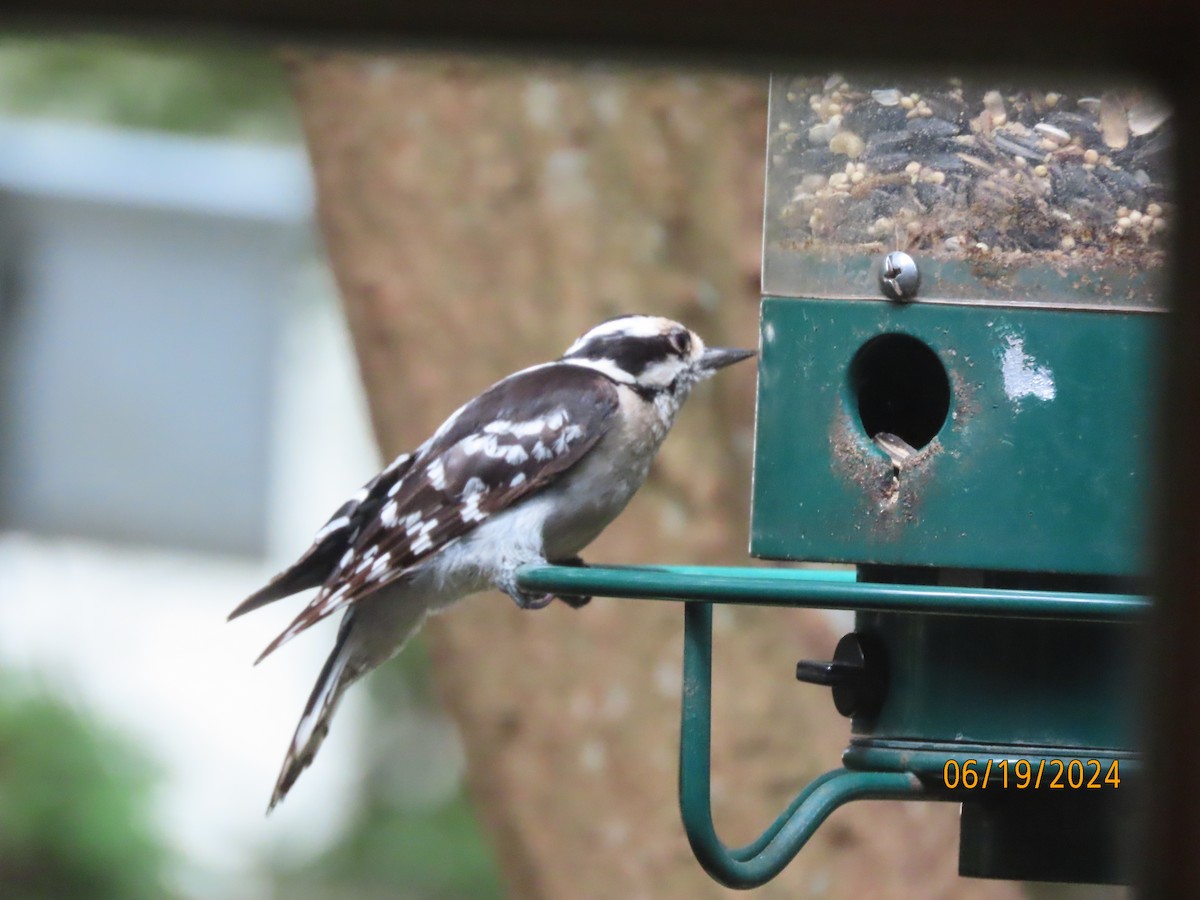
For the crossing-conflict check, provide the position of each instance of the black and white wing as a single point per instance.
(329, 544)
(506, 444)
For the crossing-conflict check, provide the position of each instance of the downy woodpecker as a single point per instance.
(530, 471)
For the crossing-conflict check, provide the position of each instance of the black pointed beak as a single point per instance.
(715, 358)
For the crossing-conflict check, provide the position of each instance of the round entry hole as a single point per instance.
(900, 387)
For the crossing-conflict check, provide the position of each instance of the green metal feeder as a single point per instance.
(962, 301)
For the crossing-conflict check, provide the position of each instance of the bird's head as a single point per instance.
(651, 354)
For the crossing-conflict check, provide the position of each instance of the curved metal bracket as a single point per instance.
(763, 859)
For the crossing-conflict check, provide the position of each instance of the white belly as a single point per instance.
(588, 498)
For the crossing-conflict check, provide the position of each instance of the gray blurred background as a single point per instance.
(179, 410)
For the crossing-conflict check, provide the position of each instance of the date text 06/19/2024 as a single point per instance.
(1032, 775)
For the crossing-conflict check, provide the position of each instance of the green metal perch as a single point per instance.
(763, 859)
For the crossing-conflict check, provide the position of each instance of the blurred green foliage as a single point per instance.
(71, 801)
(182, 87)
(74, 806)
(392, 853)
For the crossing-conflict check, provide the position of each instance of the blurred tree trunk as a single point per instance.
(479, 215)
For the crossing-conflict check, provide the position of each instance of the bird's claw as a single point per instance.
(534, 601)
(574, 601)
(523, 599)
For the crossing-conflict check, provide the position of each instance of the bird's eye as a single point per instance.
(681, 341)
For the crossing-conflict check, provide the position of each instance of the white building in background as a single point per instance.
(148, 283)
(179, 411)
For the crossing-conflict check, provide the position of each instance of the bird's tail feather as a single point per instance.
(369, 635)
(336, 675)
(308, 572)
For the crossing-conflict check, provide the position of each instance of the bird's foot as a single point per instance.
(526, 600)
(572, 600)
(523, 599)
(532, 601)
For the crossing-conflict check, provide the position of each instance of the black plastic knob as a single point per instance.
(856, 673)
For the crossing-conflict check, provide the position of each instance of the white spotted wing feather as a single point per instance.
(487, 458)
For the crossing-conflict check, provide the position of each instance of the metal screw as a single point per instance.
(899, 276)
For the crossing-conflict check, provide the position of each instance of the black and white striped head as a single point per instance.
(651, 354)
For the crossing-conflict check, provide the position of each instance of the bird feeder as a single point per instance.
(963, 292)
